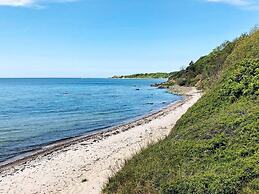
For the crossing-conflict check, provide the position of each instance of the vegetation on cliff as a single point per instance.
(207, 69)
(214, 147)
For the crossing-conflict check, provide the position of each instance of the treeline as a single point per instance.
(159, 75)
(207, 69)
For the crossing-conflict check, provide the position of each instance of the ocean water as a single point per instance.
(36, 112)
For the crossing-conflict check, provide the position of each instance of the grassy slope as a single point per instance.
(214, 147)
(205, 70)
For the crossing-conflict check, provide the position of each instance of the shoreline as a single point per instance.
(95, 134)
(83, 164)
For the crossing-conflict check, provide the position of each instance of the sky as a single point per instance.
(101, 38)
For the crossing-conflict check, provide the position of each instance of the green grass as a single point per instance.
(214, 147)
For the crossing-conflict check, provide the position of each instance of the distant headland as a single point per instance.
(158, 75)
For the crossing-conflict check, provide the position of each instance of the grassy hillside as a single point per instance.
(158, 75)
(207, 69)
(214, 147)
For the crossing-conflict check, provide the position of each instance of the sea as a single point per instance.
(37, 112)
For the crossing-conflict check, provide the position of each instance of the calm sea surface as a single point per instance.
(36, 112)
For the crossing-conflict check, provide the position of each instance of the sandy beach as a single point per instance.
(83, 165)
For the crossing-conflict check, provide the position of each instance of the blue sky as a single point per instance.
(100, 38)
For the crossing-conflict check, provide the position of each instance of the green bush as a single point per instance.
(243, 80)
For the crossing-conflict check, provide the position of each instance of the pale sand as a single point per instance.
(92, 159)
